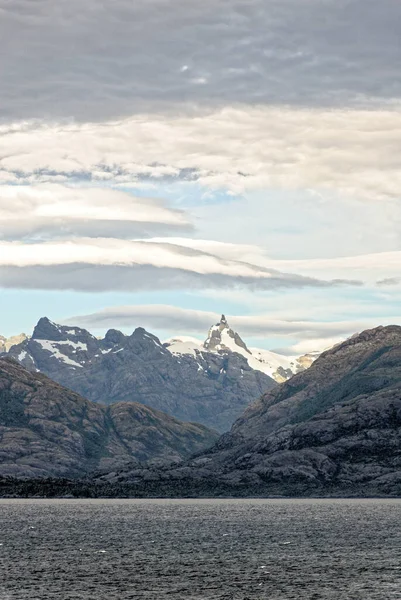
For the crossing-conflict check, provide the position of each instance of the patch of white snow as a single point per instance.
(51, 347)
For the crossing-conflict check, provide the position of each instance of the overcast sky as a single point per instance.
(164, 161)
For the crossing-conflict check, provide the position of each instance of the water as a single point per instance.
(200, 549)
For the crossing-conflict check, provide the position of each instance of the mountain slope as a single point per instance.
(335, 428)
(212, 388)
(366, 363)
(48, 430)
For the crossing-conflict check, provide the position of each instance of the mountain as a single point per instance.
(7, 343)
(48, 430)
(223, 339)
(332, 429)
(212, 388)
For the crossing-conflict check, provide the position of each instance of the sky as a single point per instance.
(166, 161)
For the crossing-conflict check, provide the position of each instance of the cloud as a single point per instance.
(100, 278)
(112, 58)
(389, 281)
(226, 250)
(366, 267)
(106, 251)
(259, 98)
(96, 264)
(351, 152)
(53, 210)
(314, 334)
(152, 316)
(311, 345)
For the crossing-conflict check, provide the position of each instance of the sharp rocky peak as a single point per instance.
(140, 332)
(221, 337)
(47, 330)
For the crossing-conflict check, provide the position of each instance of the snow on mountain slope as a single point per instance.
(221, 339)
(77, 348)
(56, 353)
(278, 366)
(185, 380)
(184, 345)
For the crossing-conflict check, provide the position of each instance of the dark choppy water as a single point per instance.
(188, 549)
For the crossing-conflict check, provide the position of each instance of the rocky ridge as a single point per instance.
(47, 430)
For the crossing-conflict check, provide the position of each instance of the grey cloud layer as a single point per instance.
(101, 278)
(50, 241)
(100, 59)
(180, 320)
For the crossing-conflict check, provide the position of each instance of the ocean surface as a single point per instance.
(200, 549)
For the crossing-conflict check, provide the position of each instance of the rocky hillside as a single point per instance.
(212, 388)
(333, 429)
(48, 430)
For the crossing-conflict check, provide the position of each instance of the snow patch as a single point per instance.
(156, 343)
(51, 347)
(75, 345)
(184, 345)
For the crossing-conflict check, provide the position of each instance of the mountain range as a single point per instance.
(210, 384)
(332, 429)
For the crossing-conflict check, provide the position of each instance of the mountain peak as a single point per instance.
(141, 341)
(222, 337)
(113, 337)
(47, 330)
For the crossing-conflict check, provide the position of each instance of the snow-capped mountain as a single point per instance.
(191, 384)
(210, 382)
(223, 339)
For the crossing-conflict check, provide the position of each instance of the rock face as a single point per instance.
(7, 343)
(212, 388)
(47, 430)
(335, 428)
